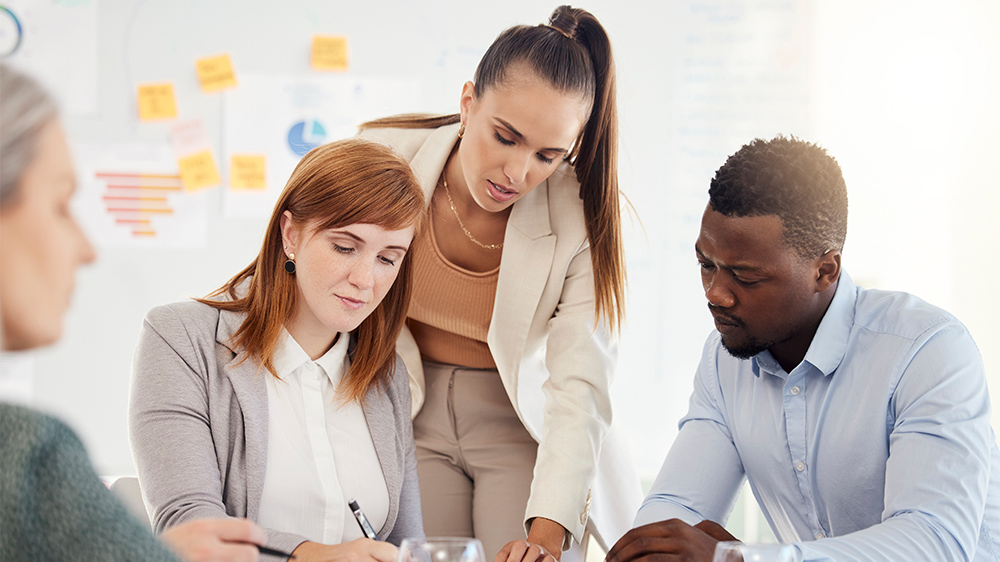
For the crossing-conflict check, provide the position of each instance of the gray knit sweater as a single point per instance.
(52, 504)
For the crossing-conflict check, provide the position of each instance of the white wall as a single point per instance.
(900, 92)
(906, 99)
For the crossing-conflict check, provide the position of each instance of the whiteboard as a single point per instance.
(697, 79)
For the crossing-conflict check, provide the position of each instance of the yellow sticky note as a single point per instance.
(157, 101)
(329, 52)
(215, 73)
(247, 171)
(198, 171)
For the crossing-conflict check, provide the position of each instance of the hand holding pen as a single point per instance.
(359, 515)
(238, 539)
(359, 549)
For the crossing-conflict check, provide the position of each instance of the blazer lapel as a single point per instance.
(247, 378)
(427, 164)
(382, 426)
(529, 247)
(429, 161)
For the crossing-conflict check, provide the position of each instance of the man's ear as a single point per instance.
(827, 270)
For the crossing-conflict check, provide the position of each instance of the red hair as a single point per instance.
(346, 182)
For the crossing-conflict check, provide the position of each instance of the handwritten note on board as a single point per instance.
(198, 171)
(157, 101)
(215, 73)
(329, 52)
(247, 171)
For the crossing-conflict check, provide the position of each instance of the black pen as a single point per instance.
(275, 552)
(366, 527)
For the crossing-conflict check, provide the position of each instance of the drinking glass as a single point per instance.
(739, 552)
(441, 549)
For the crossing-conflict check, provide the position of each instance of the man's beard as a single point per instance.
(752, 346)
(747, 349)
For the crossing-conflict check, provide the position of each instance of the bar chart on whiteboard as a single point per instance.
(132, 196)
(134, 199)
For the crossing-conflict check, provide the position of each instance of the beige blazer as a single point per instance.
(556, 365)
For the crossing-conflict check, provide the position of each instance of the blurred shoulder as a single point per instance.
(26, 429)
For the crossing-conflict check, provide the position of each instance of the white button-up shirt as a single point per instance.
(320, 453)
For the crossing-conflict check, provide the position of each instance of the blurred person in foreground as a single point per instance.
(52, 504)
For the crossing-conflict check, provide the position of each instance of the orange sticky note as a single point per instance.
(198, 171)
(247, 171)
(215, 73)
(329, 52)
(157, 101)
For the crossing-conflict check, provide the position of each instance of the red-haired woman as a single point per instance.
(280, 397)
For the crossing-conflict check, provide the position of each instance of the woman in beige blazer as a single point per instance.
(519, 285)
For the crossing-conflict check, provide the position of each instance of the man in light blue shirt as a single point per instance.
(861, 418)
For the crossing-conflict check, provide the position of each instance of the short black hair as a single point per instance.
(793, 179)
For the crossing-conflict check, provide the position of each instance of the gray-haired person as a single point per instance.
(52, 504)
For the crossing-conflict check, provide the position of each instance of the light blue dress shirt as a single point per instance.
(877, 446)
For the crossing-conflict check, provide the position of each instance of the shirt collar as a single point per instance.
(289, 356)
(828, 346)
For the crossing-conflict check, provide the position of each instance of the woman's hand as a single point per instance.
(358, 550)
(524, 551)
(544, 544)
(215, 540)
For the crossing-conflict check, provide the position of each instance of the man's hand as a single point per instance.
(670, 541)
(716, 531)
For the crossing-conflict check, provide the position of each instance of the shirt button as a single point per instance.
(800, 466)
(820, 536)
(795, 391)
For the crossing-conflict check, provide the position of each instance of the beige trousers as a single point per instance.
(474, 457)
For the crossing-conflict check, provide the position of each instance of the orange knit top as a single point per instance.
(451, 307)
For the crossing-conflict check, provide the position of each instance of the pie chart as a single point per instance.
(305, 136)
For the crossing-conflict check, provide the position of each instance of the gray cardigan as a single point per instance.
(198, 426)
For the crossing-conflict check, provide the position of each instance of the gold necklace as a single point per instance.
(462, 224)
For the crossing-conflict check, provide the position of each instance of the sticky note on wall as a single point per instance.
(215, 73)
(198, 171)
(194, 155)
(247, 171)
(156, 101)
(329, 52)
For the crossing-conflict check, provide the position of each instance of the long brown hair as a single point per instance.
(335, 185)
(573, 53)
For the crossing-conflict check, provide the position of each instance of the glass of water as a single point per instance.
(441, 549)
(739, 552)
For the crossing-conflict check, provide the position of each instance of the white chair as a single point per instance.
(128, 492)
